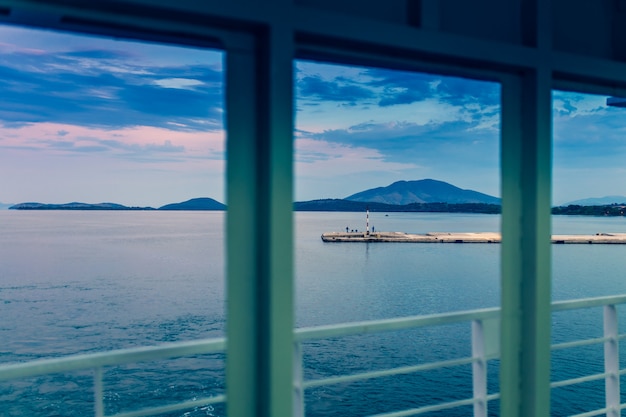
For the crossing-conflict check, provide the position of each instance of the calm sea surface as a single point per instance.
(76, 282)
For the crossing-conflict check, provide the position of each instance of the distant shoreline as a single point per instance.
(334, 205)
(350, 207)
(202, 203)
(83, 209)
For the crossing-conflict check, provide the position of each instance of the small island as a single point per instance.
(203, 203)
(75, 206)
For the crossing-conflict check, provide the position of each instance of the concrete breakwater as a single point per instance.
(476, 237)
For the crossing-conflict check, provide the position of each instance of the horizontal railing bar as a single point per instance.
(87, 361)
(578, 343)
(377, 326)
(580, 380)
(588, 302)
(387, 372)
(491, 397)
(386, 325)
(173, 407)
(598, 412)
(428, 409)
(110, 358)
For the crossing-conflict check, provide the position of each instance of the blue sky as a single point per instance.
(94, 119)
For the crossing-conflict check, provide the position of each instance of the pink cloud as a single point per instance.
(62, 138)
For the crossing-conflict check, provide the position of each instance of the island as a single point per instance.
(75, 206)
(202, 203)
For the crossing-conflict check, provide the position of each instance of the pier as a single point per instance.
(469, 237)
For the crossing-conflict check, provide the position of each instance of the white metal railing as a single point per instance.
(485, 337)
(485, 347)
(97, 362)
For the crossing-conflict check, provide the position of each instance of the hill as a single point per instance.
(599, 201)
(75, 206)
(576, 210)
(203, 203)
(422, 191)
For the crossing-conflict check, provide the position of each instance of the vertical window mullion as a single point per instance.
(259, 227)
(526, 252)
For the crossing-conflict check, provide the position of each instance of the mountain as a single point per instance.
(600, 201)
(75, 206)
(204, 203)
(422, 191)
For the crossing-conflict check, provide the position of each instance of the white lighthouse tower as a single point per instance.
(367, 221)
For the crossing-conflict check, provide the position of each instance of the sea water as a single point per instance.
(82, 281)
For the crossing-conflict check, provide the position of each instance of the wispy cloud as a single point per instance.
(339, 89)
(147, 144)
(104, 88)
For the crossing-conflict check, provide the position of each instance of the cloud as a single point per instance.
(398, 87)
(181, 83)
(385, 88)
(338, 89)
(328, 159)
(106, 89)
(405, 140)
(145, 144)
(577, 104)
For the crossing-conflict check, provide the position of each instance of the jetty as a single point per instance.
(459, 237)
(477, 237)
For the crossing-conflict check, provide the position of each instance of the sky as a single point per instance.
(94, 119)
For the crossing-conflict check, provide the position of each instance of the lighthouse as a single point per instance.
(367, 220)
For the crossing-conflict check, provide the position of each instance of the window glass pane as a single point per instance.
(408, 146)
(126, 128)
(589, 199)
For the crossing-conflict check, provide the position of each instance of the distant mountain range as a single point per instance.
(600, 201)
(420, 195)
(75, 206)
(425, 195)
(204, 203)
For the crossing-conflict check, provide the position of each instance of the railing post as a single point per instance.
(98, 392)
(479, 369)
(298, 389)
(611, 362)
